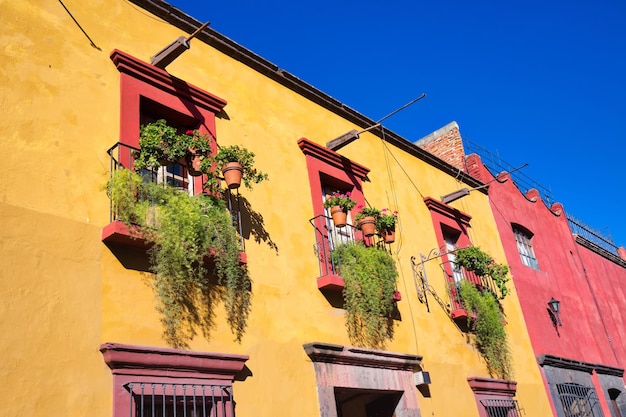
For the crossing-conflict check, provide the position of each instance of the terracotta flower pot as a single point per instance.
(232, 174)
(368, 225)
(389, 234)
(339, 215)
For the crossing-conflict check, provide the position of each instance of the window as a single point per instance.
(494, 397)
(148, 94)
(451, 228)
(161, 382)
(328, 171)
(154, 399)
(451, 245)
(501, 408)
(524, 247)
(578, 400)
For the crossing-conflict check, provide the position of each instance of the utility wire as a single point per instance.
(80, 27)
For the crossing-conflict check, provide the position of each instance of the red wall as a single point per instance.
(590, 287)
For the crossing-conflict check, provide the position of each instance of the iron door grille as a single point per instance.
(579, 400)
(501, 408)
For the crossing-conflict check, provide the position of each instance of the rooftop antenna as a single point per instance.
(172, 51)
(353, 135)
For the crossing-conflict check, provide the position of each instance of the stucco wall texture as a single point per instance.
(65, 293)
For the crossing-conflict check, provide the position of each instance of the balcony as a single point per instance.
(327, 237)
(119, 234)
(453, 277)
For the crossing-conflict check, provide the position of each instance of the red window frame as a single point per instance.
(448, 220)
(326, 167)
(141, 364)
(148, 90)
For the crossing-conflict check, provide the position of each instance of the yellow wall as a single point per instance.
(64, 292)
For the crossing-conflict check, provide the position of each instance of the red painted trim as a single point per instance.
(480, 385)
(125, 359)
(330, 283)
(117, 233)
(162, 80)
(447, 216)
(326, 166)
(332, 158)
(130, 363)
(447, 211)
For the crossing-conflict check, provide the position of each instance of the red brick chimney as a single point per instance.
(445, 143)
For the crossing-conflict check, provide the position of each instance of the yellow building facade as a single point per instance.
(78, 316)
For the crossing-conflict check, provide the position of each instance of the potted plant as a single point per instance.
(472, 258)
(186, 231)
(198, 148)
(369, 275)
(486, 320)
(386, 224)
(366, 220)
(236, 164)
(339, 205)
(159, 144)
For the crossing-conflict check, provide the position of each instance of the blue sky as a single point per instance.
(542, 83)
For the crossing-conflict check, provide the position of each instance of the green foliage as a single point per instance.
(233, 153)
(342, 200)
(472, 258)
(490, 337)
(366, 212)
(159, 144)
(386, 219)
(370, 277)
(185, 231)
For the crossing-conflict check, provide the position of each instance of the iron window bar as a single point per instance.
(122, 157)
(328, 237)
(501, 407)
(157, 399)
(578, 400)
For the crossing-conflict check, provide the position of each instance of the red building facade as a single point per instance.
(579, 342)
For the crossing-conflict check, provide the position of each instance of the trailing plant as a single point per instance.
(366, 212)
(233, 153)
(160, 144)
(344, 201)
(386, 219)
(490, 337)
(184, 231)
(472, 258)
(369, 275)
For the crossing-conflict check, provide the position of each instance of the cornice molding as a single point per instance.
(346, 355)
(162, 80)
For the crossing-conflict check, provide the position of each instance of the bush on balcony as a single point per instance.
(184, 231)
(472, 258)
(490, 337)
(369, 275)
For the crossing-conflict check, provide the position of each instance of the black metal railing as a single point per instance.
(594, 236)
(328, 237)
(179, 400)
(122, 157)
(454, 275)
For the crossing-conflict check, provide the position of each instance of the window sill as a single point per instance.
(335, 283)
(118, 235)
(330, 283)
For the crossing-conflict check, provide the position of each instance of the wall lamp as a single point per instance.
(555, 306)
